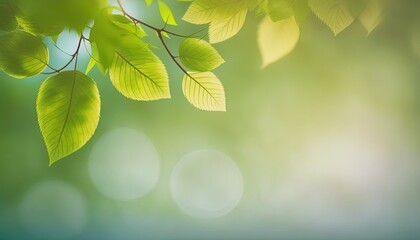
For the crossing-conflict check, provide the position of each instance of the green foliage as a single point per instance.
(225, 17)
(22, 55)
(68, 102)
(371, 16)
(199, 55)
(204, 90)
(7, 16)
(280, 9)
(166, 13)
(139, 74)
(50, 17)
(110, 32)
(68, 109)
(277, 39)
(334, 13)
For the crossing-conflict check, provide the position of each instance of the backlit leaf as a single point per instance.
(199, 55)
(277, 39)
(40, 17)
(50, 17)
(280, 9)
(7, 16)
(111, 31)
(68, 108)
(22, 54)
(221, 30)
(206, 11)
(91, 64)
(166, 13)
(139, 74)
(204, 91)
(372, 15)
(334, 13)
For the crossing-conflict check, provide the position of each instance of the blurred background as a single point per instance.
(323, 144)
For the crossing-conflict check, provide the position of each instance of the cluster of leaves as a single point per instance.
(279, 31)
(68, 102)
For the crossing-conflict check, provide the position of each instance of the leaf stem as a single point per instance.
(173, 57)
(159, 32)
(73, 57)
(138, 21)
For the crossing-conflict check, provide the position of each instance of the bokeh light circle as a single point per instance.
(53, 210)
(124, 164)
(206, 184)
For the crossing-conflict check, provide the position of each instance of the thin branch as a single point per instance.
(61, 50)
(90, 54)
(73, 56)
(135, 20)
(174, 58)
(159, 32)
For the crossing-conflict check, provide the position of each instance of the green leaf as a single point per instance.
(226, 17)
(166, 13)
(257, 5)
(280, 9)
(34, 17)
(124, 24)
(199, 55)
(7, 16)
(204, 91)
(95, 58)
(22, 54)
(55, 38)
(50, 17)
(334, 13)
(110, 32)
(206, 11)
(221, 30)
(277, 39)
(372, 15)
(68, 108)
(78, 13)
(90, 65)
(139, 74)
(149, 2)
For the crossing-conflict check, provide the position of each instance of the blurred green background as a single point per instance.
(323, 144)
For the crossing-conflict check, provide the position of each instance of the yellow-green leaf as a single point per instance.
(50, 17)
(204, 91)
(280, 9)
(41, 17)
(166, 13)
(372, 15)
(334, 13)
(205, 11)
(223, 29)
(199, 55)
(139, 74)
(111, 31)
(22, 54)
(68, 108)
(7, 16)
(90, 65)
(277, 39)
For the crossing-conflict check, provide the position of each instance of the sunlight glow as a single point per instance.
(124, 164)
(206, 184)
(53, 210)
